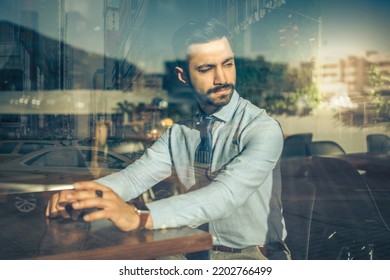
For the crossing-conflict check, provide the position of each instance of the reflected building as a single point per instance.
(33, 57)
(239, 16)
(353, 76)
(111, 33)
(124, 60)
(132, 18)
(380, 61)
(360, 83)
(98, 79)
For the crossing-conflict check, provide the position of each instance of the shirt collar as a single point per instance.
(227, 111)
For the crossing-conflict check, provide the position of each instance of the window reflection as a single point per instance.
(7, 147)
(56, 65)
(99, 74)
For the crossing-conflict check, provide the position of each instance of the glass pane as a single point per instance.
(7, 148)
(103, 76)
(29, 147)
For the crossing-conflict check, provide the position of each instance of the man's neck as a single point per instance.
(208, 109)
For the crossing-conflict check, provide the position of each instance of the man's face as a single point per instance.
(212, 73)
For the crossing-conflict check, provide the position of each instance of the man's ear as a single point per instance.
(181, 75)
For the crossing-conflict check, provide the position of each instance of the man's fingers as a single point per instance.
(85, 195)
(51, 209)
(49, 212)
(95, 215)
(57, 203)
(95, 202)
(80, 195)
(89, 185)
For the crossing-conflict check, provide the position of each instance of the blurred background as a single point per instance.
(86, 86)
(70, 68)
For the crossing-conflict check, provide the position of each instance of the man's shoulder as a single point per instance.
(256, 118)
(184, 126)
(256, 113)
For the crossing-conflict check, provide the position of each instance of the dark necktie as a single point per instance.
(205, 148)
(203, 153)
(202, 162)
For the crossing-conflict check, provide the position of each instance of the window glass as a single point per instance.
(29, 147)
(7, 147)
(101, 159)
(102, 76)
(57, 159)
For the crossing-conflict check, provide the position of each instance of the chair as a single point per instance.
(294, 154)
(323, 148)
(296, 145)
(378, 143)
(346, 222)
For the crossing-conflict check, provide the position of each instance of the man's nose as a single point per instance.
(220, 76)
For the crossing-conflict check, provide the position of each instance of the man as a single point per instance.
(237, 194)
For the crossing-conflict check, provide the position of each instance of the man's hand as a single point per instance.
(58, 204)
(90, 194)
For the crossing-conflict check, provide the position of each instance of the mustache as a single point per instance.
(221, 87)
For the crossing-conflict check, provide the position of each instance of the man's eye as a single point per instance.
(228, 64)
(204, 70)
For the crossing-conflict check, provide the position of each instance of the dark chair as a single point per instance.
(323, 148)
(346, 222)
(378, 143)
(296, 145)
(294, 154)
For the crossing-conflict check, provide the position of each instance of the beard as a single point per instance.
(219, 99)
(212, 98)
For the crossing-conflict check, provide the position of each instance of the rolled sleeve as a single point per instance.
(153, 167)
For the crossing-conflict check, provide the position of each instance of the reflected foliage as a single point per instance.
(276, 87)
(377, 80)
(376, 109)
(126, 108)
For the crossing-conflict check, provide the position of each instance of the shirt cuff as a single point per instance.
(163, 215)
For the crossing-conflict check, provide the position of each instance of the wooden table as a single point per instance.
(40, 238)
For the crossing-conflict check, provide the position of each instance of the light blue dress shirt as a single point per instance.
(243, 202)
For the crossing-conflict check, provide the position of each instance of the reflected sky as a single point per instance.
(355, 25)
(85, 24)
(348, 27)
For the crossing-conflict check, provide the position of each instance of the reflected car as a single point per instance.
(11, 149)
(133, 149)
(52, 169)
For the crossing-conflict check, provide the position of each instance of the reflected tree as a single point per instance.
(376, 109)
(276, 87)
(126, 108)
(377, 81)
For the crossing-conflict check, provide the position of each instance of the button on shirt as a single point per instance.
(242, 203)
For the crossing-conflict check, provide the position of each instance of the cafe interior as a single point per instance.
(87, 86)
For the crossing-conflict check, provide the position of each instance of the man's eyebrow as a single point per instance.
(213, 65)
(228, 59)
(205, 66)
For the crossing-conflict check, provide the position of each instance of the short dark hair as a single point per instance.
(200, 31)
